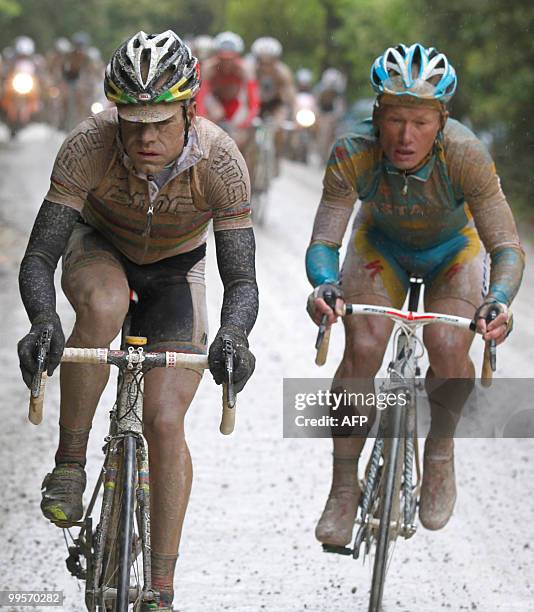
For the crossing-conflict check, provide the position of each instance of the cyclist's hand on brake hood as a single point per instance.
(500, 327)
(27, 347)
(244, 360)
(318, 306)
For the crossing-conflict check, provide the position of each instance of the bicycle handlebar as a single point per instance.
(414, 319)
(103, 356)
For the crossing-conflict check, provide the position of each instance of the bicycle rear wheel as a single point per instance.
(392, 471)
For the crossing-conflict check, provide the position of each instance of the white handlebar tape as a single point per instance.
(85, 355)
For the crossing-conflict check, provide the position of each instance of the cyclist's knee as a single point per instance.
(363, 355)
(449, 358)
(100, 314)
(448, 353)
(164, 426)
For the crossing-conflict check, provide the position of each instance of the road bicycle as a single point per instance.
(113, 559)
(392, 482)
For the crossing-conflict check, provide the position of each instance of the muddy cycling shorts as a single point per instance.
(171, 311)
(376, 265)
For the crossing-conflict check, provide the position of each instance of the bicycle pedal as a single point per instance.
(340, 550)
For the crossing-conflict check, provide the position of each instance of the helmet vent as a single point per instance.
(144, 65)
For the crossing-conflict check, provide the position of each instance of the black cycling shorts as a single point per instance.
(171, 311)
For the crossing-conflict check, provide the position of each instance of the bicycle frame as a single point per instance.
(126, 464)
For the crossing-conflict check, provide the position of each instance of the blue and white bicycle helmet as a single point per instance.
(414, 71)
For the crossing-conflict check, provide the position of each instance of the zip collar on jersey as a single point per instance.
(422, 173)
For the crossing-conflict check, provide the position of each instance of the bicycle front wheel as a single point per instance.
(126, 524)
(115, 591)
(392, 473)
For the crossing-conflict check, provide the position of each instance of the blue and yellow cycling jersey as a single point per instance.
(418, 213)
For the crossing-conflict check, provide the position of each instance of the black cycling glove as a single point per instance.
(27, 347)
(244, 360)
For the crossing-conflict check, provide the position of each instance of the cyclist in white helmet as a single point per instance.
(133, 191)
(276, 86)
(275, 79)
(229, 92)
(331, 104)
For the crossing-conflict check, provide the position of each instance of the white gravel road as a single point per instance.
(248, 540)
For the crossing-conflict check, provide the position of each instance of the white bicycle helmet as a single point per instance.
(229, 42)
(333, 79)
(266, 46)
(24, 45)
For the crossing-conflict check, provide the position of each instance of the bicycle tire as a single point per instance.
(392, 471)
(119, 538)
(126, 524)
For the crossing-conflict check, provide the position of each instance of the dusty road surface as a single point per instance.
(248, 540)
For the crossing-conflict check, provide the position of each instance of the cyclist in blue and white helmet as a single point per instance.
(414, 71)
(413, 76)
(430, 203)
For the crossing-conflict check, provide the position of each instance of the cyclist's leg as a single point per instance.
(168, 395)
(173, 318)
(95, 284)
(456, 289)
(368, 277)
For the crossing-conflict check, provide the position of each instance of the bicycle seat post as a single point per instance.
(127, 325)
(416, 282)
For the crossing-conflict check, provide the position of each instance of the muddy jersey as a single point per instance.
(144, 218)
(456, 188)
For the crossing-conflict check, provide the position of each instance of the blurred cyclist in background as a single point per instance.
(301, 138)
(275, 79)
(79, 78)
(55, 86)
(23, 70)
(276, 84)
(304, 79)
(330, 96)
(229, 92)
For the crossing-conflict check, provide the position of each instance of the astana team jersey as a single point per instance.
(446, 204)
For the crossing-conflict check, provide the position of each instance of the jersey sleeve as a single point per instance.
(228, 187)
(79, 166)
(338, 197)
(493, 219)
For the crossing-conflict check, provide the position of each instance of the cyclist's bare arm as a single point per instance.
(331, 220)
(50, 233)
